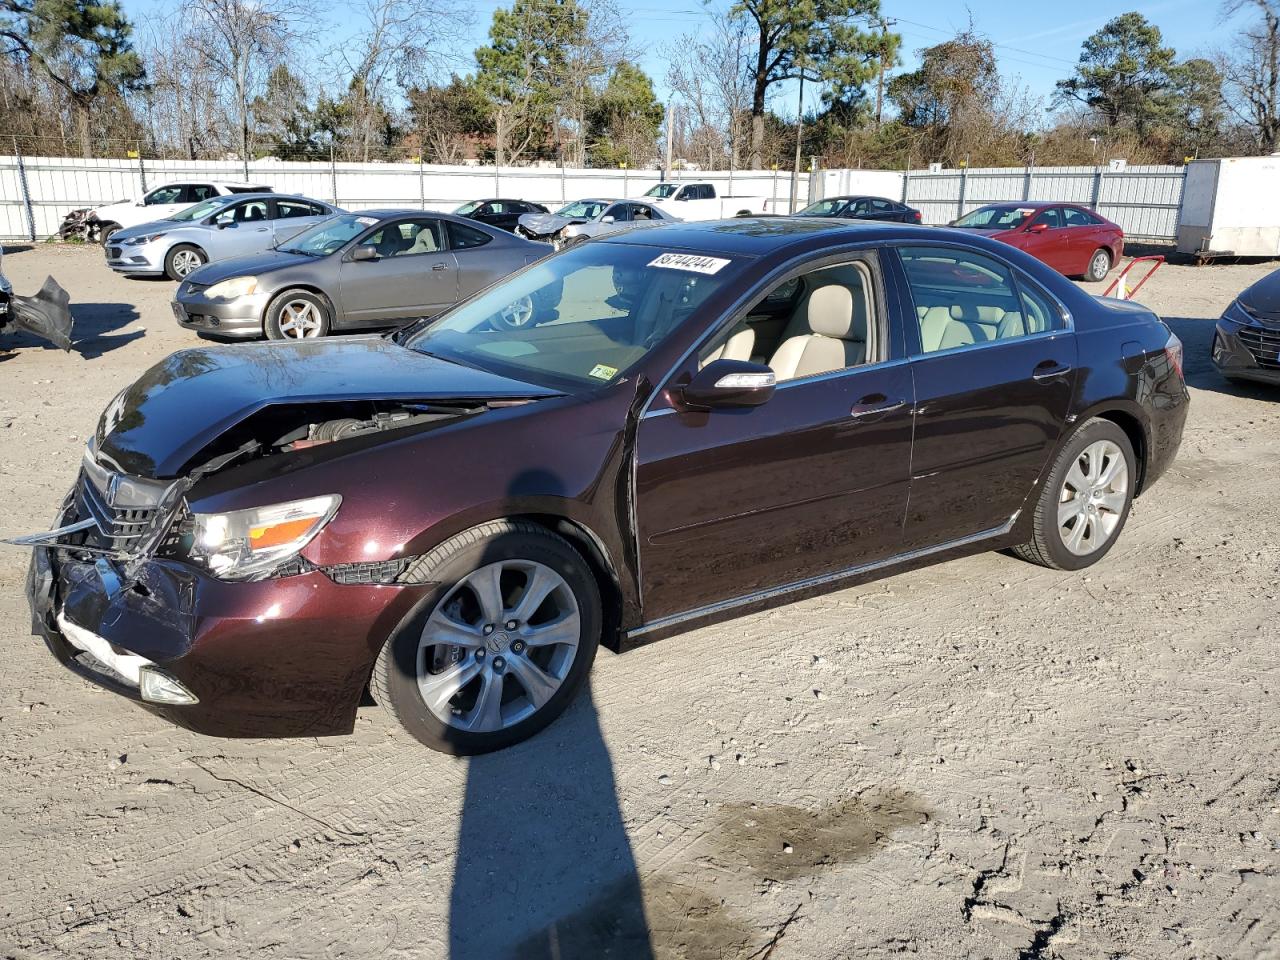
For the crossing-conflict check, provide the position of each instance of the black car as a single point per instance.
(503, 214)
(728, 416)
(862, 208)
(1246, 345)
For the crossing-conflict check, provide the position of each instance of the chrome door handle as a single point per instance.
(439, 266)
(1050, 369)
(875, 408)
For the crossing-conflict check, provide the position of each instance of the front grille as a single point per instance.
(118, 527)
(113, 253)
(1263, 344)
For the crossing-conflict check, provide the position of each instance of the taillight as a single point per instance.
(917, 217)
(1173, 350)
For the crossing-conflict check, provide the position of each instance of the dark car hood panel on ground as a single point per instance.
(247, 266)
(185, 402)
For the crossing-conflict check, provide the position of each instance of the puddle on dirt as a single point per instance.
(783, 842)
(669, 921)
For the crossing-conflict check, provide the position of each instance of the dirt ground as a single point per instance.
(982, 759)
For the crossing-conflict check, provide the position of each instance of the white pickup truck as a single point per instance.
(701, 201)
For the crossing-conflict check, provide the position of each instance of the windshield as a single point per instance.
(824, 208)
(329, 236)
(995, 218)
(578, 320)
(662, 190)
(199, 211)
(582, 208)
(466, 208)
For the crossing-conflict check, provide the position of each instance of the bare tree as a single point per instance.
(710, 79)
(400, 43)
(588, 57)
(181, 106)
(1251, 71)
(245, 38)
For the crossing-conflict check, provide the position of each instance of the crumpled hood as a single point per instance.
(544, 223)
(155, 427)
(108, 207)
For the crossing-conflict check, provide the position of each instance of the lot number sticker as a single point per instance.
(602, 371)
(689, 261)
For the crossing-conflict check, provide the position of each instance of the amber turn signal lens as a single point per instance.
(280, 533)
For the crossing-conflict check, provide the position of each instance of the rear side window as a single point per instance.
(963, 298)
(200, 191)
(1079, 218)
(463, 238)
(296, 208)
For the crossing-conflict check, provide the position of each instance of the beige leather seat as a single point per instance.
(942, 328)
(834, 337)
(424, 242)
(738, 347)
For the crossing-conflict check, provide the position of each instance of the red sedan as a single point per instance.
(1072, 239)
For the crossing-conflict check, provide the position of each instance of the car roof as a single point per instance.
(756, 236)
(858, 196)
(1031, 204)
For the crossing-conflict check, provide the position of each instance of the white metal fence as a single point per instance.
(1144, 200)
(37, 192)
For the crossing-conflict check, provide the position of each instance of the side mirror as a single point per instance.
(607, 219)
(1038, 227)
(223, 224)
(364, 252)
(729, 383)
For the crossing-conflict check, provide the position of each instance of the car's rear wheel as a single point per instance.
(500, 647)
(1085, 500)
(183, 260)
(298, 315)
(1099, 266)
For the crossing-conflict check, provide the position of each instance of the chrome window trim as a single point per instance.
(723, 606)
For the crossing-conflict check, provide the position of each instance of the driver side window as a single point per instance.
(162, 195)
(406, 238)
(819, 322)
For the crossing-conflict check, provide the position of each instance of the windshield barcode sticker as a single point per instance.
(691, 262)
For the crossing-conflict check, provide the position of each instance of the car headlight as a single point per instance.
(138, 241)
(232, 288)
(248, 544)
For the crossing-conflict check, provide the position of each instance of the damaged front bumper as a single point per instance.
(288, 656)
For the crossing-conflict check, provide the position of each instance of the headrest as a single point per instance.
(830, 313)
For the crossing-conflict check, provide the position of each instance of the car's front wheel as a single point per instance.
(1085, 500)
(183, 260)
(298, 315)
(499, 648)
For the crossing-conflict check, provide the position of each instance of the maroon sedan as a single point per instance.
(685, 424)
(1072, 239)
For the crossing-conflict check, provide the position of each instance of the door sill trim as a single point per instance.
(722, 606)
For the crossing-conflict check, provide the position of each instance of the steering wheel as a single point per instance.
(516, 315)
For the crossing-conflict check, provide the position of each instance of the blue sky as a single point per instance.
(1036, 41)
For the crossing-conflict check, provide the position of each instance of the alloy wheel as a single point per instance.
(518, 313)
(1092, 501)
(300, 319)
(186, 261)
(1100, 266)
(498, 646)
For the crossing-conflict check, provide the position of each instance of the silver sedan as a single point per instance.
(619, 215)
(215, 229)
(374, 269)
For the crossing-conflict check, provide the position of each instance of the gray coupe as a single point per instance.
(377, 268)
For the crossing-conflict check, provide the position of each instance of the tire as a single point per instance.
(520, 551)
(298, 315)
(1082, 476)
(105, 232)
(183, 260)
(1099, 265)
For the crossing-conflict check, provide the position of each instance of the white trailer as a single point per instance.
(1231, 208)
